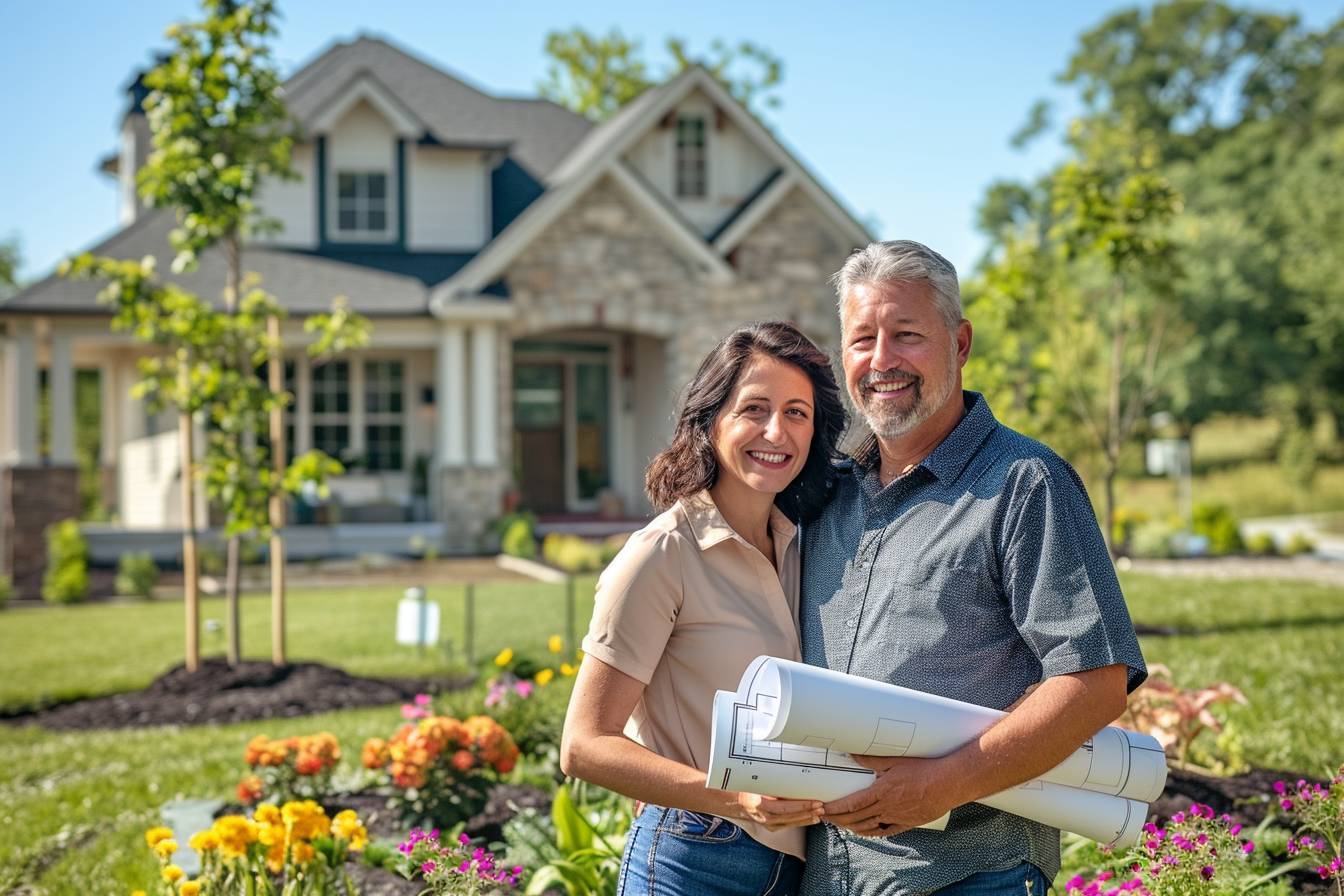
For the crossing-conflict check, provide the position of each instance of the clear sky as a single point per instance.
(903, 109)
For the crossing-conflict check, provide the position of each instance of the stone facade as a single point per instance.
(31, 499)
(469, 499)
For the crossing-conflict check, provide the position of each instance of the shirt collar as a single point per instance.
(949, 458)
(710, 527)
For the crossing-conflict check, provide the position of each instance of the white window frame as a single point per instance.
(332, 417)
(363, 206)
(377, 376)
(690, 161)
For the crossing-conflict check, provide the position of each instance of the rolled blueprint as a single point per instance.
(738, 761)
(814, 707)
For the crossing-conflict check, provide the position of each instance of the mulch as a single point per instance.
(217, 693)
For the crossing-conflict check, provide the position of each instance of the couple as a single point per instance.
(950, 554)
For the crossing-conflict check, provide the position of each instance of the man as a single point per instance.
(958, 558)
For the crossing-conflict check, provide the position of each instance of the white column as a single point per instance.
(109, 414)
(485, 395)
(18, 402)
(357, 446)
(302, 411)
(450, 396)
(61, 393)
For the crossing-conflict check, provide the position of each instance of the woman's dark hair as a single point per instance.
(688, 465)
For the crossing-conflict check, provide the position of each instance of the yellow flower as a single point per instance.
(189, 888)
(154, 836)
(267, 813)
(556, 643)
(544, 677)
(171, 873)
(235, 833)
(303, 853)
(204, 841)
(137, 893)
(165, 848)
(567, 670)
(505, 657)
(346, 826)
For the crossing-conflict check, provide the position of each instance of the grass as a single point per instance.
(1252, 489)
(75, 804)
(56, 654)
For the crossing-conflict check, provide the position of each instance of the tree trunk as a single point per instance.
(233, 554)
(1108, 529)
(191, 598)
(279, 450)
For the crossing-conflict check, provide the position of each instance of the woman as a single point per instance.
(692, 598)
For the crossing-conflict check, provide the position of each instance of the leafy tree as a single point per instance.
(595, 75)
(219, 130)
(10, 259)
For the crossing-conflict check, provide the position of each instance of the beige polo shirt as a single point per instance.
(685, 607)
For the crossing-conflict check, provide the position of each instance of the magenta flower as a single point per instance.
(1248, 847)
(422, 699)
(428, 867)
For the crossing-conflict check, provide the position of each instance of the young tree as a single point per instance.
(595, 75)
(10, 259)
(220, 129)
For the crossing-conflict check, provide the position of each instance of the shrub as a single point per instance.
(1299, 544)
(611, 546)
(1152, 539)
(6, 591)
(1126, 522)
(1262, 545)
(518, 536)
(67, 578)
(137, 575)
(571, 553)
(1216, 523)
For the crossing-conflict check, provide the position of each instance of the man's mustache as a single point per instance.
(872, 378)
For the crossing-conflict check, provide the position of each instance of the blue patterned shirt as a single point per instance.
(980, 572)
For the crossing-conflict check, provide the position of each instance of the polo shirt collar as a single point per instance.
(710, 527)
(948, 460)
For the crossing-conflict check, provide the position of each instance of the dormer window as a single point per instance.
(361, 203)
(692, 180)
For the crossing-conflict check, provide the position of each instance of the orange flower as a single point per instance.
(256, 748)
(374, 754)
(250, 789)
(463, 760)
(308, 764)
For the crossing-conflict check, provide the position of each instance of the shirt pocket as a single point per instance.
(933, 615)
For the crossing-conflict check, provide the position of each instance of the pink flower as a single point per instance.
(523, 688)
(428, 867)
(1248, 847)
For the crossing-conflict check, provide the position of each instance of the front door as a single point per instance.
(540, 464)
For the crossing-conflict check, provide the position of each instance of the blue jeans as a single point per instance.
(1009, 882)
(673, 852)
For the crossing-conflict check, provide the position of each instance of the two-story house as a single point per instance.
(540, 289)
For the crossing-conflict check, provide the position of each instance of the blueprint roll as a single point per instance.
(1110, 820)
(820, 708)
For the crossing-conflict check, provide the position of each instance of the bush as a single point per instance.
(518, 535)
(611, 546)
(1153, 540)
(67, 578)
(1216, 523)
(137, 575)
(1126, 522)
(6, 591)
(1299, 544)
(1262, 545)
(572, 553)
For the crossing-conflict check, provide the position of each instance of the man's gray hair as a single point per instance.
(902, 261)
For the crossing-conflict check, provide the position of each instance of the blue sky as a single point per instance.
(904, 109)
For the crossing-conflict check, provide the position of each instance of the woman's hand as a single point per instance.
(776, 814)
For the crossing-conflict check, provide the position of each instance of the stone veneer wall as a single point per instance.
(31, 499)
(605, 265)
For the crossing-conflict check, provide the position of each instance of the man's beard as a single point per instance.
(889, 422)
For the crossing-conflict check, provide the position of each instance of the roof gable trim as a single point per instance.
(365, 87)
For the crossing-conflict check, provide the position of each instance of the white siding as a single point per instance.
(293, 203)
(130, 203)
(735, 165)
(362, 141)
(448, 200)
(148, 482)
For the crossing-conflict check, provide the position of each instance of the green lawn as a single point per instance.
(60, 653)
(74, 805)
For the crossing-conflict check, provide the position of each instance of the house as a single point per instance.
(540, 289)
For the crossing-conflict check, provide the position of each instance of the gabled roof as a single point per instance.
(539, 133)
(600, 153)
(304, 283)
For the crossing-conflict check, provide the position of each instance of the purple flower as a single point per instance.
(1286, 803)
(1248, 847)
(428, 867)
(463, 839)
(1280, 788)
(1178, 818)
(1075, 883)
(1206, 872)
(1235, 829)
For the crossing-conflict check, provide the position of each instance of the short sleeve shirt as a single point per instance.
(685, 607)
(980, 572)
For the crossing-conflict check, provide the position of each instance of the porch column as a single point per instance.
(61, 391)
(485, 394)
(109, 417)
(18, 403)
(358, 447)
(450, 395)
(302, 411)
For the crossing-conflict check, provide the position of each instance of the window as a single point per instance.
(331, 408)
(692, 182)
(383, 402)
(361, 202)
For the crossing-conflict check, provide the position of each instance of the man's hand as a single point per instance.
(777, 814)
(907, 793)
